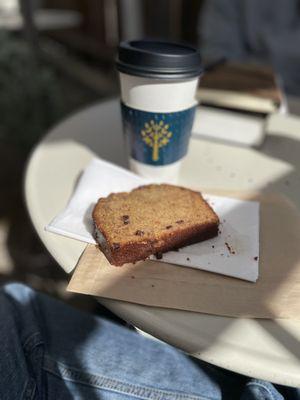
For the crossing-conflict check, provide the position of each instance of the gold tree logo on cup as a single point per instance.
(156, 135)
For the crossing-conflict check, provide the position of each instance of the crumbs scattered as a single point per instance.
(219, 232)
(187, 259)
(152, 286)
(222, 254)
(255, 258)
(139, 233)
(213, 246)
(180, 221)
(158, 256)
(168, 226)
(132, 277)
(116, 246)
(231, 251)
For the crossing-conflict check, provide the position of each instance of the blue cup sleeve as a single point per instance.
(157, 138)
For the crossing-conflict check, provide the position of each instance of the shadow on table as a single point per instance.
(276, 146)
(286, 149)
(282, 336)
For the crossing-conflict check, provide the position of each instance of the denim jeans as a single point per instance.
(49, 350)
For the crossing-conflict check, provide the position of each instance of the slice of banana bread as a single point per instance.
(151, 219)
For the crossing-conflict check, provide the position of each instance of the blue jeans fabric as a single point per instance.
(49, 350)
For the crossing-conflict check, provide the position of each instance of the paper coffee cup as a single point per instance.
(158, 100)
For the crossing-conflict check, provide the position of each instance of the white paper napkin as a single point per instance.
(234, 252)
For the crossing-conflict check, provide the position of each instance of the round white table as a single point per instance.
(263, 349)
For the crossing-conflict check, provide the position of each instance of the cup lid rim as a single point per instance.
(158, 59)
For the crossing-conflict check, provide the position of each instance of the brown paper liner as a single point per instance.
(276, 294)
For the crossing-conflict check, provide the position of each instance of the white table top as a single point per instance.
(263, 349)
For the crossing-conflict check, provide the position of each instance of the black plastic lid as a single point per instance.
(159, 59)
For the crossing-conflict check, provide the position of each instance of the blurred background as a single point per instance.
(57, 56)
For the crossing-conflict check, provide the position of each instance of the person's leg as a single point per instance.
(67, 353)
(54, 351)
(19, 367)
